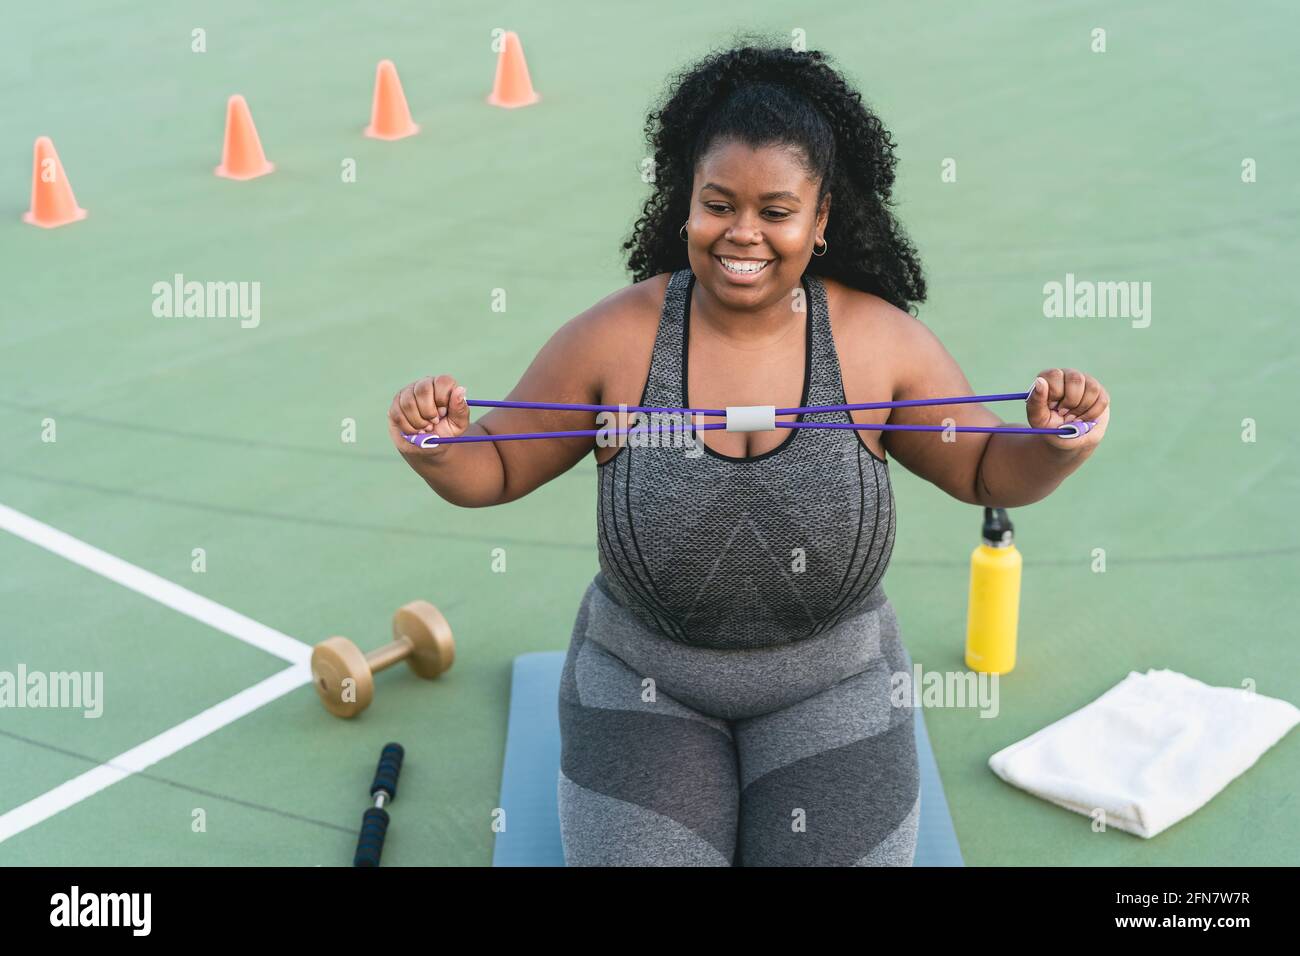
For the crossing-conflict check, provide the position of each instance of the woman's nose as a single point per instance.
(744, 234)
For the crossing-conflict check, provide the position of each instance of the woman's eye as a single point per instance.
(775, 214)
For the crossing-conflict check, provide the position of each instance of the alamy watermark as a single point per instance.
(129, 910)
(208, 300)
(1086, 299)
(945, 689)
(75, 690)
(649, 430)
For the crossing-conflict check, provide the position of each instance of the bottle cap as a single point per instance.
(998, 531)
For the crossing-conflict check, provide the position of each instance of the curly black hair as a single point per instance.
(763, 95)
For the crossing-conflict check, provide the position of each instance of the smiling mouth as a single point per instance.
(743, 267)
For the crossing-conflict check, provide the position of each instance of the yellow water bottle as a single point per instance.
(994, 609)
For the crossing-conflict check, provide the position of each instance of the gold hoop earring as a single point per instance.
(825, 245)
(682, 231)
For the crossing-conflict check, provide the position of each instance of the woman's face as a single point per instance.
(754, 209)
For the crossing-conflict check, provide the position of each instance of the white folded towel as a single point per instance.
(1151, 750)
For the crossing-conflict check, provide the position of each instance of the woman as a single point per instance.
(726, 695)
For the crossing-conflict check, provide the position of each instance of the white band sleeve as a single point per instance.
(751, 418)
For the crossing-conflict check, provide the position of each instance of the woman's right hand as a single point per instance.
(429, 406)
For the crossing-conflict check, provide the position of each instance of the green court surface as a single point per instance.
(176, 434)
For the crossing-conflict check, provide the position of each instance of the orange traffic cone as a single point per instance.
(389, 116)
(242, 156)
(52, 201)
(512, 87)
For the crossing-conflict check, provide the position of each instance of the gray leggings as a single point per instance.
(684, 756)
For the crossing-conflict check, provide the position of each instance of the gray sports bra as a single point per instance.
(725, 552)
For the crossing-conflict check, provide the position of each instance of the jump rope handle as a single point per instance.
(374, 824)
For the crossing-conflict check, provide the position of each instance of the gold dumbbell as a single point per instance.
(344, 677)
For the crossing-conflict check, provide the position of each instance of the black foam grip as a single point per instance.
(370, 844)
(390, 765)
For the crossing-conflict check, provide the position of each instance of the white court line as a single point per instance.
(151, 751)
(151, 585)
(182, 735)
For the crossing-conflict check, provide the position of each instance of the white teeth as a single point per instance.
(742, 266)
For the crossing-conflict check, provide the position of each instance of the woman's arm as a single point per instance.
(980, 468)
(569, 368)
(1019, 472)
(471, 478)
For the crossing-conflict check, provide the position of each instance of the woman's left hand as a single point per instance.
(1062, 396)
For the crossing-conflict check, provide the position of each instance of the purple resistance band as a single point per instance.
(1072, 430)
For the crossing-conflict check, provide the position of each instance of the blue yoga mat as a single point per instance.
(532, 767)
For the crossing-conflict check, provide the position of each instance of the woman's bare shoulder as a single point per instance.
(871, 335)
(621, 325)
(863, 315)
(638, 303)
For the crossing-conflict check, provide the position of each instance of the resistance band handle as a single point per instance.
(1080, 428)
(751, 418)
